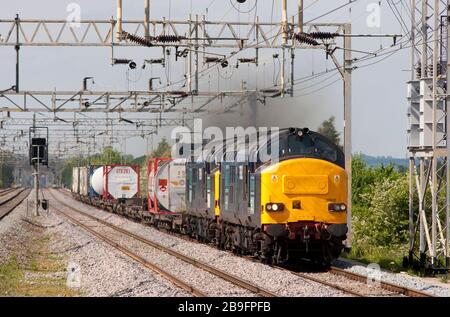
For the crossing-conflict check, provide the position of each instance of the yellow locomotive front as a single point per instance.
(308, 198)
(303, 199)
(277, 207)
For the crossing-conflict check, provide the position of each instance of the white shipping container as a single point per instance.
(76, 180)
(84, 181)
(97, 181)
(168, 183)
(120, 181)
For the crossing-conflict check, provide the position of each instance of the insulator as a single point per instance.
(419, 71)
(430, 70)
(305, 38)
(183, 53)
(155, 61)
(137, 39)
(247, 60)
(439, 69)
(168, 38)
(323, 35)
(212, 59)
(121, 61)
(178, 93)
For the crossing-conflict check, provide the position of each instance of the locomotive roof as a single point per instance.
(248, 149)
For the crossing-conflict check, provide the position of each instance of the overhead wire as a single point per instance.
(386, 55)
(366, 58)
(332, 11)
(319, 89)
(216, 64)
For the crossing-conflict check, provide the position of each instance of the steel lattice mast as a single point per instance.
(429, 150)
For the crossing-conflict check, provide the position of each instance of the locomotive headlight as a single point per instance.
(337, 207)
(274, 207)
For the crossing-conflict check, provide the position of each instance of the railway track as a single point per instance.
(5, 191)
(326, 283)
(13, 199)
(384, 285)
(358, 289)
(180, 256)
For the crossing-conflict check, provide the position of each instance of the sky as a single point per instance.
(378, 91)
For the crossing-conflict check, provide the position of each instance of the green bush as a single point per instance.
(380, 214)
(383, 219)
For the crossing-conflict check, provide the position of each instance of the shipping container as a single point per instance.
(116, 181)
(76, 180)
(166, 185)
(84, 181)
(91, 170)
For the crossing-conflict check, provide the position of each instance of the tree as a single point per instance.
(6, 175)
(163, 149)
(364, 178)
(380, 213)
(328, 129)
(108, 156)
(384, 222)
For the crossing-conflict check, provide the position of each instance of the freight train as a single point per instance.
(285, 210)
(115, 188)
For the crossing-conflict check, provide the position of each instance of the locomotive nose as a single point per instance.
(310, 190)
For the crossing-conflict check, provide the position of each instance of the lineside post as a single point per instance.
(447, 211)
(348, 124)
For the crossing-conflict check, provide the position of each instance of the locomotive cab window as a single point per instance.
(311, 145)
(299, 145)
(325, 151)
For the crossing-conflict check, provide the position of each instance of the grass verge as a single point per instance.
(387, 258)
(39, 273)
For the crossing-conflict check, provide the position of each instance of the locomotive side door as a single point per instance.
(189, 186)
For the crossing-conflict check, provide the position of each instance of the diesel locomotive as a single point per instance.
(285, 210)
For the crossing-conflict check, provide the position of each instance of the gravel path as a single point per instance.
(272, 279)
(402, 279)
